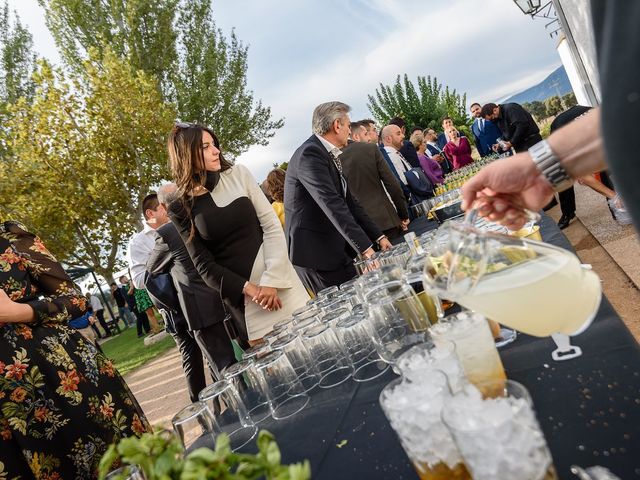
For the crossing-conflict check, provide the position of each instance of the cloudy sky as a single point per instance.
(305, 52)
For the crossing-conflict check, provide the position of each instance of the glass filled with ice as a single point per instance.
(474, 345)
(414, 411)
(498, 435)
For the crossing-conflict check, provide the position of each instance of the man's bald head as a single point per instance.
(392, 136)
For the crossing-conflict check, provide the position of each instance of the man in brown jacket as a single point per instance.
(375, 188)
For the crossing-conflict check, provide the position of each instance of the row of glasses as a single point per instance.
(261, 385)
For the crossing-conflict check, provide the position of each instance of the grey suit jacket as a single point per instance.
(368, 175)
(325, 226)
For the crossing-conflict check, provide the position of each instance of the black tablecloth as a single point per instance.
(588, 407)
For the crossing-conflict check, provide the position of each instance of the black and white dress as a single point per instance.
(238, 239)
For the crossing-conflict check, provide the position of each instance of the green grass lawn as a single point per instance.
(129, 352)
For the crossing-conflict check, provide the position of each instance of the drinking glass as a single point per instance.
(413, 275)
(255, 352)
(332, 318)
(234, 420)
(284, 325)
(299, 327)
(353, 331)
(194, 425)
(310, 306)
(306, 314)
(418, 363)
(474, 343)
(499, 436)
(281, 385)
(328, 292)
(130, 472)
(243, 377)
(328, 356)
(414, 411)
(300, 359)
(397, 318)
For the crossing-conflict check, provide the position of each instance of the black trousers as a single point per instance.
(192, 361)
(142, 322)
(568, 202)
(216, 346)
(316, 280)
(100, 316)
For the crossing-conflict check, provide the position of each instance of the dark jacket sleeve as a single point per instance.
(160, 260)
(410, 154)
(391, 185)
(214, 274)
(315, 176)
(520, 122)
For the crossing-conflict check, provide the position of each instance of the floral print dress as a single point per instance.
(61, 401)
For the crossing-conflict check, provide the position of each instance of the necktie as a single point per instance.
(481, 124)
(335, 154)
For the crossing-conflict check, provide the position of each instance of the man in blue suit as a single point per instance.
(485, 132)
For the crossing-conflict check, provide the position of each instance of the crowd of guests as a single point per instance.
(222, 260)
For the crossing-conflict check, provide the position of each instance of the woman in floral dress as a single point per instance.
(61, 402)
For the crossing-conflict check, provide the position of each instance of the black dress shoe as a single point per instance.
(564, 221)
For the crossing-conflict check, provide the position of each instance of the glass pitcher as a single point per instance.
(533, 287)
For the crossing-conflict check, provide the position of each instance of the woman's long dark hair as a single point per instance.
(186, 163)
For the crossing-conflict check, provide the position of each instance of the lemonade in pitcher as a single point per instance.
(533, 287)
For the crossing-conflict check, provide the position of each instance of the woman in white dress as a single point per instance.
(231, 232)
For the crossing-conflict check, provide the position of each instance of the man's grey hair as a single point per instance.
(325, 114)
(167, 193)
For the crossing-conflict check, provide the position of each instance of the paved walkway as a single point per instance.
(160, 387)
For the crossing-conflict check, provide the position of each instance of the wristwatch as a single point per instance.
(549, 165)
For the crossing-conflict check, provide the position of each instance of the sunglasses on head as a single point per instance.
(185, 125)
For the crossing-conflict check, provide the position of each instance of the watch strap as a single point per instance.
(549, 165)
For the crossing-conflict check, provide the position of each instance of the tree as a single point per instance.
(17, 63)
(537, 109)
(17, 60)
(176, 41)
(553, 106)
(569, 100)
(211, 82)
(140, 30)
(423, 107)
(85, 154)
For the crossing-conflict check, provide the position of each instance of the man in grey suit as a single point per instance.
(325, 227)
(375, 188)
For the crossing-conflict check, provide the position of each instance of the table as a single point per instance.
(588, 407)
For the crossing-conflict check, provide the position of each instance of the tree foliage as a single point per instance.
(17, 60)
(537, 109)
(140, 30)
(211, 82)
(423, 106)
(551, 106)
(84, 154)
(178, 42)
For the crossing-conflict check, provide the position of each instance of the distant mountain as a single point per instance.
(557, 83)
